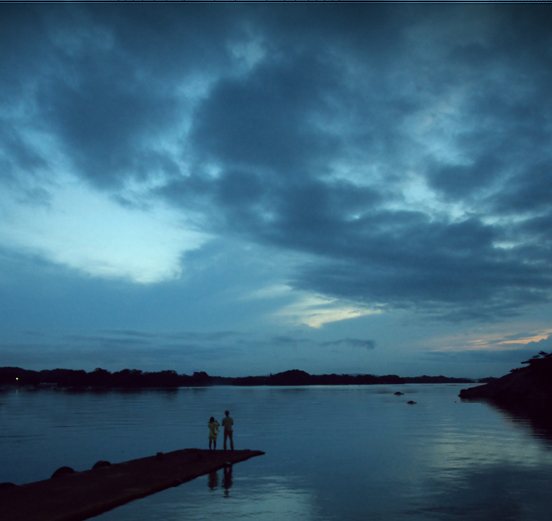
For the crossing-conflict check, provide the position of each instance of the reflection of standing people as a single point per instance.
(227, 480)
(213, 480)
(228, 424)
(213, 432)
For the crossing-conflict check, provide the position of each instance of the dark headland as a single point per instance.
(133, 378)
(75, 496)
(532, 383)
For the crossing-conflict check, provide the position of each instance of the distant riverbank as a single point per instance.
(134, 378)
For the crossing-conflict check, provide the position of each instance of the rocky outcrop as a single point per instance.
(531, 383)
(101, 464)
(62, 471)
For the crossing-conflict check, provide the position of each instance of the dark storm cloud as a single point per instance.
(458, 181)
(21, 35)
(262, 120)
(285, 340)
(102, 81)
(351, 342)
(506, 142)
(16, 154)
(528, 192)
(400, 258)
(130, 333)
(314, 121)
(451, 267)
(107, 126)
(540, 230)
(107, 341)
(23, 56)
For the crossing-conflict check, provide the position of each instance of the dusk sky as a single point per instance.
(244, 189)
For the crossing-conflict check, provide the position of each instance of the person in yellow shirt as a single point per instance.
(213, 432)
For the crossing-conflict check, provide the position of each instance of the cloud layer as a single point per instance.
(392, 158)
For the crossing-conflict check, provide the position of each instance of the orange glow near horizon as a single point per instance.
(490, 342)
(536, 338)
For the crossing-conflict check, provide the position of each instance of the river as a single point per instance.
(332, 453)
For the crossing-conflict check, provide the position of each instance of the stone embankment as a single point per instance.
(75, 496)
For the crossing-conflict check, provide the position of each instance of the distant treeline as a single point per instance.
(134, 378)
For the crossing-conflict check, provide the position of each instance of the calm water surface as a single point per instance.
(332, 453)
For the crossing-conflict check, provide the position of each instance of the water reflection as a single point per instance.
(535, 416)
(266, 498)
(227, 481)
(484, 493)
(213, 479)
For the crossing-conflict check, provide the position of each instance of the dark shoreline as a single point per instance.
(135, 379)
(530, 384)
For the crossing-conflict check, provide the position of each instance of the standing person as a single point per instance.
(228, 424)
(213, 432)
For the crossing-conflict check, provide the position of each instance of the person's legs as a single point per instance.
(229, 434)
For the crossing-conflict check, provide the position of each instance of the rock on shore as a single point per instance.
(533, 383)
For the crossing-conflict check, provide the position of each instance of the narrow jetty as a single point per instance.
(80, 495)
